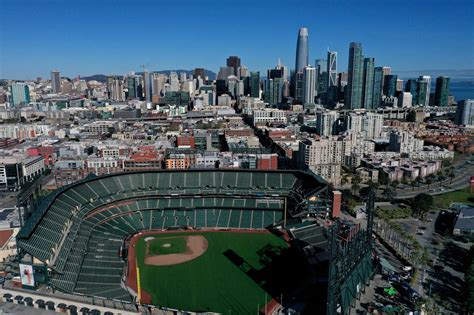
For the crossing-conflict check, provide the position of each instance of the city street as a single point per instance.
(443, 275)
(462, 171)
(7, 200)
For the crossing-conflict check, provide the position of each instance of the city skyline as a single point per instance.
(187, 48)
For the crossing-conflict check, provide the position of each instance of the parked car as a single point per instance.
(405, 276)
(394, 278)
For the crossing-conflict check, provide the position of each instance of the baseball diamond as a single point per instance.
(192, 285)
(204, 240)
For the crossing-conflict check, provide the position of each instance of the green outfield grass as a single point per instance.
(165, 246)
(227, 278)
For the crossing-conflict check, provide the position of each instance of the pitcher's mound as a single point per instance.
(196, 245)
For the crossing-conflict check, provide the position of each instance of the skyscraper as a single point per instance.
(309, 86)
(427, 79)
(386, 71)
(355, 77)
(56, 81)
(199, 72)
(298, 80)
(412, 87)
(302, 54)
(321, 76)
(134, 85)
(321, 65)
(442, 91)
(174, 81)
(158, 83)
(225, 72)
(378, 85)
(405, 99)
(390, 85)
(274, 73)
(465, 113)
(332, 68)
(115, 88)
(243, 72)
(20, 93)
(421, 91)
(273, 90)
(255, 84)
(234, 62)
(326, 123)
(399, 85)
(147, 89)
(368, 91)
(284, 70)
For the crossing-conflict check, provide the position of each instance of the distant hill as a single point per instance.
(96, 77)
(103, 77)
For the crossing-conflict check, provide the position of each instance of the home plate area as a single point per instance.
(165, 251)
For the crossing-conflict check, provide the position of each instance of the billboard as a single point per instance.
(26, 275)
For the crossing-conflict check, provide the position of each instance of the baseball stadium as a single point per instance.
(195, 240)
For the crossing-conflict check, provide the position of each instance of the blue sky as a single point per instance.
(116, 36)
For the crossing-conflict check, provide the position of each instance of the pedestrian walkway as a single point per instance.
(57, 301)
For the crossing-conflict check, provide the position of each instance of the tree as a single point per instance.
(364, 191)
(388, 193)
(404, 181)
(395, 184)
(374, 185)
(383, 178)
(446, 163)
(429, 181)
(411, 116)
(347, 199)
(418, 180)
(413, 184)
(421, 204)
(356, 183)
(346, 195)
(451, 174)
(344, 180)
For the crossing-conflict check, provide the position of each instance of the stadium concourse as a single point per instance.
(78, 232)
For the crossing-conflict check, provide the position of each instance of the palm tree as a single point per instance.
(395, 184)
(413, 184)
(418, 180)
(389, 193)
(356, 183)
(429, 181)
(451, 174)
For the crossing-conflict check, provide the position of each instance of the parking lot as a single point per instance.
(442, 278)
(376, 295)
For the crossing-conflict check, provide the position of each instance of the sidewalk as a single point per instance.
(57, 300)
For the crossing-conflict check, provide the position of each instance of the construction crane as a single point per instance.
(144, 66)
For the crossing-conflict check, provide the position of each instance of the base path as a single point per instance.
(196, 245)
